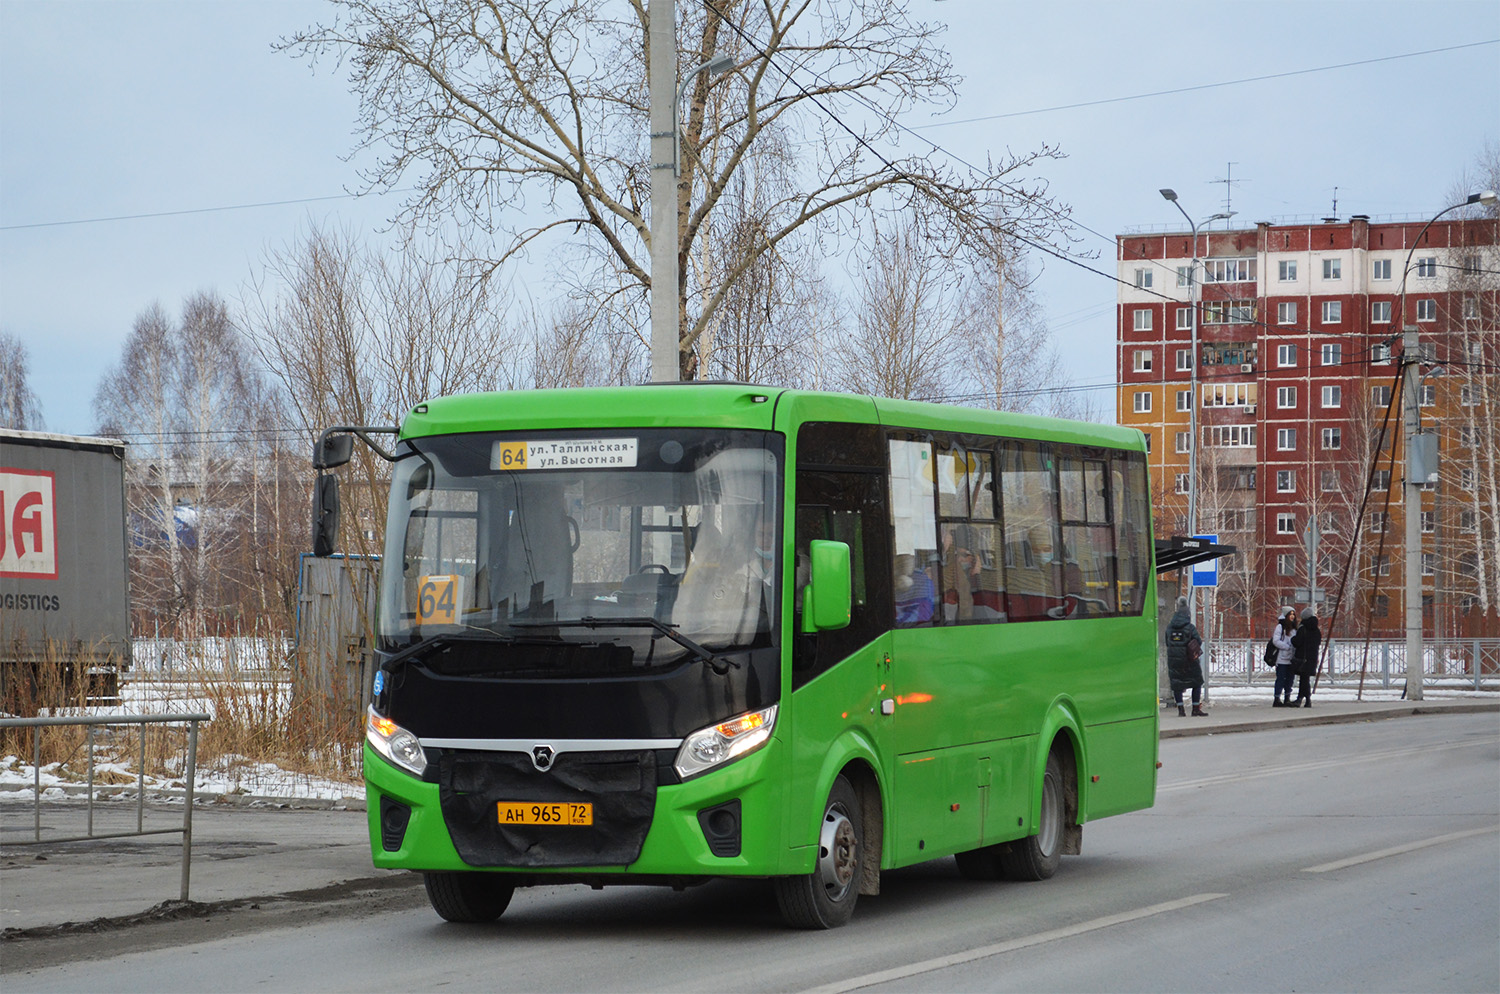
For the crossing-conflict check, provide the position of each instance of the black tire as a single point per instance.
(825, 897)
(1036, 857)
(468, 897)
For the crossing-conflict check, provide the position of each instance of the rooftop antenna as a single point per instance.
(1333, 218)
(1228, 182)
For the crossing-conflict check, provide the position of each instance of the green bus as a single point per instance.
(664, 634)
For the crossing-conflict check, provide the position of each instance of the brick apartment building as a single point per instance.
(1299, 354)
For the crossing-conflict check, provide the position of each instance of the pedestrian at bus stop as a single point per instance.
(1286, 654)
(1184, 646)
(1306, 643)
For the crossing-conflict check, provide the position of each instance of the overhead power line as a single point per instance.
(1209, 86)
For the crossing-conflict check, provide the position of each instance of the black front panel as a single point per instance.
(435, 701)
(621, 786)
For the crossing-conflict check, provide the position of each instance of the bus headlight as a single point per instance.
(718, 744)
(395, 743)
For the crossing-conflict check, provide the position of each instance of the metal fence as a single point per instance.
(192, 720)
(1461, 661)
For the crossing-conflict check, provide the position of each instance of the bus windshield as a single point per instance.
(610, 538)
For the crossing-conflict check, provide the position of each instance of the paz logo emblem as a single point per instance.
(542, 757)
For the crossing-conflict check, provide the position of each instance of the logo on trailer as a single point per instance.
(28, 524)
(542, 757)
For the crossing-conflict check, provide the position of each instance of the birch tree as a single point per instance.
(19, 407)
(521, 120)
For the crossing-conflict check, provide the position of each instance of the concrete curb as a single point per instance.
(1312, 716)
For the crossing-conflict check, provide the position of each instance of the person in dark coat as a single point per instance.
(1305, 645)
(1184, 646)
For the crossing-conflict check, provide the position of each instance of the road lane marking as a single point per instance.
(1436, 840)
(1321, 764)
(981, 952)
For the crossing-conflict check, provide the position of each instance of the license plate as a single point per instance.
(529, 813)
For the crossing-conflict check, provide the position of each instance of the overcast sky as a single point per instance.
(182, 111)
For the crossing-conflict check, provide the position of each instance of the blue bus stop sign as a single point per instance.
(1206, 574)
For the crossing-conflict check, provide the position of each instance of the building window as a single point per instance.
(1286, 355)
(1184, 319)
(1471, 265)
(1142, 402)
(1429, 522)
(1286, 524)
(1229, 395)
(1184, 275)
(1142, 360)
(1332, 439)
(1333, 269)
(1382, 479)
(1143, 278)
(1286, 481)
(1286, 562)
(1286, 270)
(1184, 400)
(1466, 436)
(1380, 565)
(1184, 359)
(1427, 563)
(1466, 521)
(1467, 396)
(1380, 312)
(1328, 480)
(1380, 605)
(1466, 481)
(1380, 352)
(1427, 395)
(1286, 396)
(1427, 309)
(1182, 483)
(1378, 521)
(1380, 396)
(1333, 311)
(1427, 352)
(1333, 354)
(1476, 351)
(1471, 308)
(1231, 436)
(1228, 270)
(1333, 395)
(1381, 269)
(1286, 312)
(1286, 439)
(1228, 312)
(1427, 267)
(1142, 319)
(1184, 439)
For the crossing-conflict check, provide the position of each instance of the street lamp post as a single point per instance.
(1417, 468)
(1194, 295)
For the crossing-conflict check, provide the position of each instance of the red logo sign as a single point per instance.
(28, 524)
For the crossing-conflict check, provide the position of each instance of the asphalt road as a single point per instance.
(1348, 857)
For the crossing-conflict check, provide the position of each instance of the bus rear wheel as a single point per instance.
(825, 898)
(1036, 857)
(468, 897)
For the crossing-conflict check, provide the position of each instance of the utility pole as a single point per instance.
(665, 334)
(1411, 383)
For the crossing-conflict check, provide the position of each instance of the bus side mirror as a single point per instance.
(325, 523)
(828, 596)
(332, 451)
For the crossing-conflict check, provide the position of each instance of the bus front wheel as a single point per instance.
(1036, 857)
(468, 897)
(825, 898)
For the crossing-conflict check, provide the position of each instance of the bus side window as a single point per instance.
(915, 556)
(1033, 564)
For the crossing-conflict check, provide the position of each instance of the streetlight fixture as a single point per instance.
(719, 62)
(1421, 461)
(1194, 295)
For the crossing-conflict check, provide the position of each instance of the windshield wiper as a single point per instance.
(719, 664)
(442, 640)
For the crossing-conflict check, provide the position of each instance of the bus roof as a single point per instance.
(731, 405)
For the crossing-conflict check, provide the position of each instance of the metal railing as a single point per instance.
(37, 724)
(1459, 660)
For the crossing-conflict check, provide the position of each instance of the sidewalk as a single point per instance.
(245, 854)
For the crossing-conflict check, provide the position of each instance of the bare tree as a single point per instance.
(19, 407)
(497, 104)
